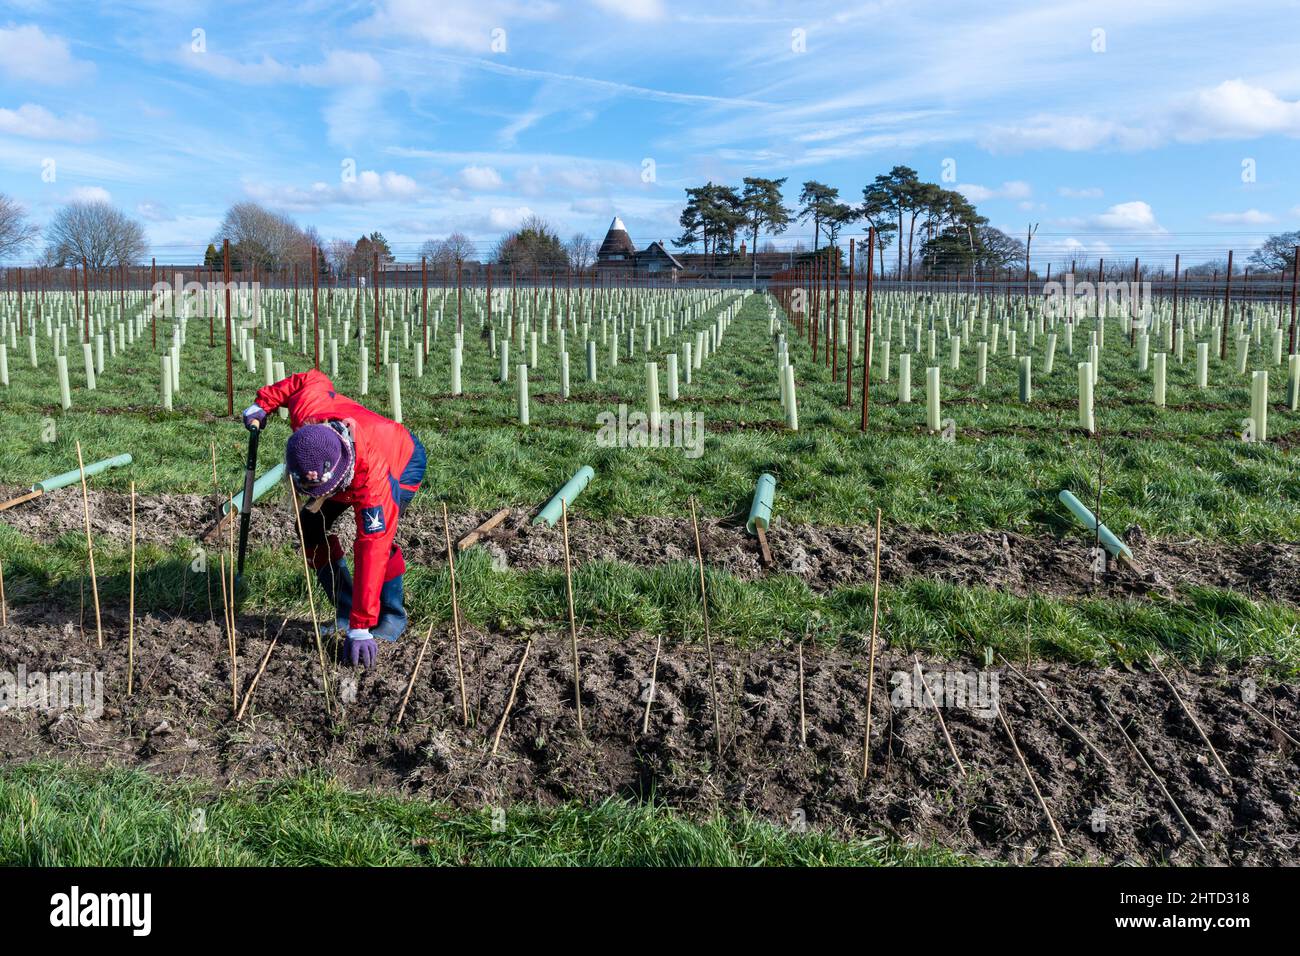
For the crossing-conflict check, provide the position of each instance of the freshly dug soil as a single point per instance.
(179, 723)
(823, 556)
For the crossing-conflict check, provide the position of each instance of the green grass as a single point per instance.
(1177, 471)
(55, 815)
(1201, 626)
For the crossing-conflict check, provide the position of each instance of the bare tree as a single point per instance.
(16, 233)
(446, 253)
(339, 253)
(581, 250)
(97, 232)
(263, 237)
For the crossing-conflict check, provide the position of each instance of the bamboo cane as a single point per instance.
(871, 655)
(455, 618)
(410, 686)
(708, 638)
(1150, 770)
(573, 624)
(514, 687)
(90, 547)
(1191, 716)
(311, 602)
(939, 713)
(266, 659)
(1037, 793)
(1059, 716)
(130, 625)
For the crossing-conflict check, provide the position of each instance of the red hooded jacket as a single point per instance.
(383, 448)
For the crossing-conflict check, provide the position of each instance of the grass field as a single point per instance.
(1180, 473)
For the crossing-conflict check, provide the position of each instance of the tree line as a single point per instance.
(935, 230)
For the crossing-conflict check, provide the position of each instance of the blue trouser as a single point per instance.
(334, 577)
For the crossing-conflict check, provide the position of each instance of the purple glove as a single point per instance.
(360, 648)
(254, 417)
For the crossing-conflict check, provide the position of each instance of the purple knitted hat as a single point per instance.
(319, 459)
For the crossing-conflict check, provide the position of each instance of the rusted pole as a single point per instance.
(1177, 267)
(374, 288)
(230, 371)
(85, 295)
(315, 303)
(1227, 307)
(1295, 272)
(1133, 306)
(848, 346)
(866, 331)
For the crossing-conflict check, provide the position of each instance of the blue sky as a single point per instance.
(1121, 127)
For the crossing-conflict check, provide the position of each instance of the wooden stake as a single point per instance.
(90, 547)
(708, 638)
(266, 659)
(1160, 783)
(764, 551)
(401, 711)
(1190, 716)
(871, 657)
(130, 614)
(650, 698)
(6, 505)
(311, 602)
(1037, 793)
(455, 618)
(573, 624)
(473, 537)
(939, 713)
(514, 687)
(1059, 716)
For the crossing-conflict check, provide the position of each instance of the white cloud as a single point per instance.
(90, 194)
(153, 211)
(480, 177)
(455, 24)
(505, 219)
(1250, 217)
(1236, 110)
(633, 9)
(36, 122)
(1134, 216)
(368, 187)
(339, 68)
(1013, 189)
(28, 53)
(1070, 133)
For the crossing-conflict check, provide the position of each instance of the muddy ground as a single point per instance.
(823, 556)
(179, 724)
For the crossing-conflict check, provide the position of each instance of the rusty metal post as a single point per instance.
(866, 331)
(230, 371)
(1227, 308)
(315, 302)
